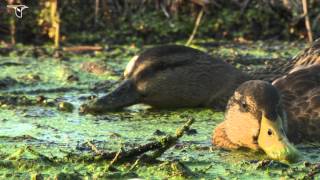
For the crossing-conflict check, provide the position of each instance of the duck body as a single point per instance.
(300, 96)
(173, 76)
(266, 116)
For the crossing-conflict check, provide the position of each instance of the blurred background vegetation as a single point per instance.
(157, 21)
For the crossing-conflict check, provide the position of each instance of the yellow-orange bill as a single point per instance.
(273, 141)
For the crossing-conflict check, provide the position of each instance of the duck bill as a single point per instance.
(273, 141)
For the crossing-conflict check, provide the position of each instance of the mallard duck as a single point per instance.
(172, 76)
(264, 116)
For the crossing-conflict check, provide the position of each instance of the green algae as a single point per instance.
(36, 141)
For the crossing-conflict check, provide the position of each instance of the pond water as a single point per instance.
(29, 132)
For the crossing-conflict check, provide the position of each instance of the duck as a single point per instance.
(273, 116)
(171, 76)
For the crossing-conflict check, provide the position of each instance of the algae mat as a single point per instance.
(30, 133)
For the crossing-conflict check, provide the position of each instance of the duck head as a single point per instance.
(255, 119)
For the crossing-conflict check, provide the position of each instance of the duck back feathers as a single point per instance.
(173, 76)
(300, 91)
(178, 76)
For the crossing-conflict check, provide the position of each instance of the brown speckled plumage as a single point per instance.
(300, 92)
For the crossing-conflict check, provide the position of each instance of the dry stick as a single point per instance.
(161, 145)
(12, 22)
(82, 48)
(13, 30)
(96, 12)
(196, 26)
(307, 20)
(55, 19)
(164, 10)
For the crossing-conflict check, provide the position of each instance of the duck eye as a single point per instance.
(244, 106)
(270, 132)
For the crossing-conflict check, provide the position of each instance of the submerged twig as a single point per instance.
(134, 165)
(116, 157)
(159, 146)
(179, 133)
(94, 147)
